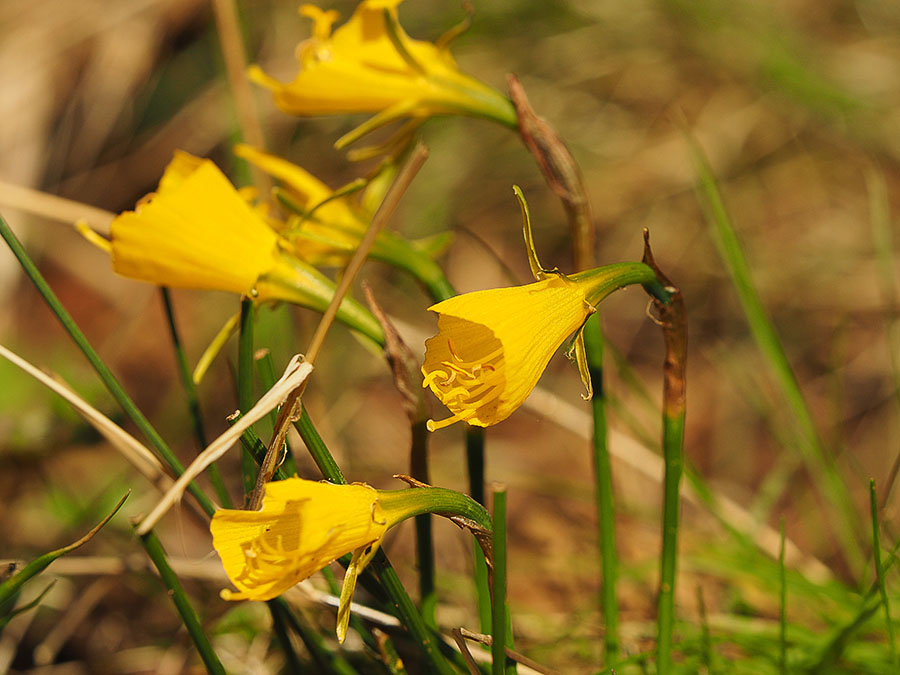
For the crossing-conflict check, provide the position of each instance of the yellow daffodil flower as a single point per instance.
(328, 226)
(493, 345)
(304, 525)
(197, 231)
(371, 65)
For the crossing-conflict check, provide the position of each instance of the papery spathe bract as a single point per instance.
(370, 64)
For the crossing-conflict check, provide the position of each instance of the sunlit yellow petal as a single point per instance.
(195, 232)
(370, 64)
(303, 526)
(493, 346)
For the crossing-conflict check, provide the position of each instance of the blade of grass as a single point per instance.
(603, 494)
(782, 607)
(280, 628)
(12, 585)
(188, 614)
(475, 464)
(879, 572)
(499, 664)
(882, 238)
(673, 322)
(705, 641)
(818, 461)
(326, 660)
(106, 376)
(190, 390)
(249, 468)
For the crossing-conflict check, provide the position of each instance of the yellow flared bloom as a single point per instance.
(333, 228)
(493, 345)
(332, 224)
(197, 231)
(303, 526)
(371, 65)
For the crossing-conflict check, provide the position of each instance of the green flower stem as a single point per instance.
(326, 661)
(673, 434)
(215, 477)
(305, 286)
(109, 380)
(424, 537)
(249, 468)
(475, 461)
(408, 614)
(403, 605)
(603, 494)
(813, 452)
(440, 289)
(499, 614)
(607, 279)
(782, 614)
(879, 571)
(279, 612)
(318, 450)
(442, 501)
(188, 615)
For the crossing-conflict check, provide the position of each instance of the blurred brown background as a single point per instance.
(795, 102)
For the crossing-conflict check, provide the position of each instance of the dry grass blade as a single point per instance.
(633, 454)
(130, 448)
(295, 375)
(53, 207)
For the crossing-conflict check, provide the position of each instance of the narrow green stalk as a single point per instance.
(673, 432)
(249, 468)
(317, 449)
(782, 613)
(818, 461)
(439, 288)
(879, 573)
(279, 610)
(176, 591)
(883, 241)
(603, 494)
(673, 322)
(109, 380)
(424, 537)
(325, 660)
(409, 616)
(215, 477)
(705, 642)
(475, 463)
(498, 589)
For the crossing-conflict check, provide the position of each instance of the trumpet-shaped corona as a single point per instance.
(371, 65)
(197, 231)
(303, 526)
(493, 345)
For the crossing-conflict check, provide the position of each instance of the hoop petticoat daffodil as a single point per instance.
(327, 226)
(493, 345)
(370, 64)
(197, 231)
(304, 525)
